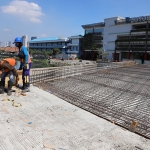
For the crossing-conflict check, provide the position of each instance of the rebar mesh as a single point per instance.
(119, 95)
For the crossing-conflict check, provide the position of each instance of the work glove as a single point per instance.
(26, 66)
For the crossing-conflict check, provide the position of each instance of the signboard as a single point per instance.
(137, 19)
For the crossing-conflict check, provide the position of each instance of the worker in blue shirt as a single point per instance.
(25, 63)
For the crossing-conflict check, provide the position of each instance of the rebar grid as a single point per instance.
(119, 95)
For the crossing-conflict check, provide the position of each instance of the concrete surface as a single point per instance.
(45, 122)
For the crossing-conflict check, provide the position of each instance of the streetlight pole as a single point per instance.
(103, 49)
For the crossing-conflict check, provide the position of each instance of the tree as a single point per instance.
(32, 51)
(102, 54)
(99, 53)
(105, 55)
(44, 52)
(50, 53)
(56, 51)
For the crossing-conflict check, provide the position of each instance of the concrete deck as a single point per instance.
(46, 122)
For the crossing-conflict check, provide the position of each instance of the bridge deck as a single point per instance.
(47, 122)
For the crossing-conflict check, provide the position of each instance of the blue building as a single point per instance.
(68, 46)
(48, 44)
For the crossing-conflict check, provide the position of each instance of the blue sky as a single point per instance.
(62, 18)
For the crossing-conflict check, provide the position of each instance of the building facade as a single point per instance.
(92, 39)
(135, 44)
(9, 43)
(124, 38)
(6, 44)
(75, 46)
(47, 44)
(68, 46)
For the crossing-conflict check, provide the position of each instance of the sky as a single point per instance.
(61, 18)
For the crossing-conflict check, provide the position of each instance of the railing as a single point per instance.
(141, 29)
(48, 46)
(55, 73)
(50, 74)
(117, 22)
(122, 44)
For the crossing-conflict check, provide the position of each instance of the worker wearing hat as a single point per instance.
(25, 63)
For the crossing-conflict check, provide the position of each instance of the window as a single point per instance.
(88, 31)
(98, 30)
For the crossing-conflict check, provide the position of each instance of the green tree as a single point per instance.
(44, 52)
(105, 55)
(32, 51)
(56, 51)
(99, 53)
(50, 53)
(102, 54)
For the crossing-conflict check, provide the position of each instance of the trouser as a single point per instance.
(26, 73)
(10, 82)
(26, 78)
(4, 74)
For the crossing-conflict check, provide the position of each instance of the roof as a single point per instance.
(117, 17)
(48, 39)
(9, 49)
(99, 24)
(76, 37)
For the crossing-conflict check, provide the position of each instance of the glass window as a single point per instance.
(89, 31)
(97, 30)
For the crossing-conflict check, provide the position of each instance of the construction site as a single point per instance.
(101, 106)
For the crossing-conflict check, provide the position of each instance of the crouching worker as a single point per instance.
(25, 64)
(7, 66)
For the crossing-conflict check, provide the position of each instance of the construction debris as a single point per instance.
(23, 94)
(17, 92)
(133, 126)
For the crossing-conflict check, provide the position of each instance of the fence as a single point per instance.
(49, 74)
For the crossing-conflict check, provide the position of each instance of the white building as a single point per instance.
(25, 40)
(111, 30)
(74, 47)
(9, 43)
(124, 38)
(6, 44)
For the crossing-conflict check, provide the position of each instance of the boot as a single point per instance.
(2, 84)
(24, 84)
(10, 84)
(26, 88)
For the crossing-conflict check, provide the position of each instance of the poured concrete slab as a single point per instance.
(47, 122)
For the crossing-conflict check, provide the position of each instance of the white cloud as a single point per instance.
(24, 10)
(35, 20)
(5, 29)
(43, 35)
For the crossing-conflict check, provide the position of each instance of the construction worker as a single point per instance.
(7, 66)
(25, 64)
